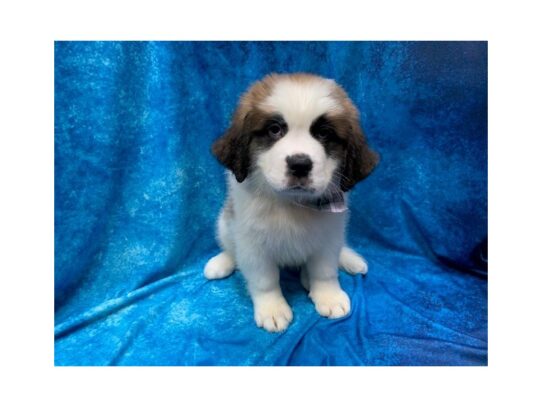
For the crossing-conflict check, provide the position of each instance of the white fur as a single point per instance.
(260, 229)
(301, 102)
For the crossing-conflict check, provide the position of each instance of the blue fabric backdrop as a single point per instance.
(137, 193)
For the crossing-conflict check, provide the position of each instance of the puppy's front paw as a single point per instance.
(272, 314)
(331, 303)
(220, 266)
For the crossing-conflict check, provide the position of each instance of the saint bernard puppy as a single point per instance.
(294, 147)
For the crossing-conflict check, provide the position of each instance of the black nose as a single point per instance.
(299, 164)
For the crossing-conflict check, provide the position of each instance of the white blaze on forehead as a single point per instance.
(300, 102)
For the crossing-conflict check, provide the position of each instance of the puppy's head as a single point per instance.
(298, 135)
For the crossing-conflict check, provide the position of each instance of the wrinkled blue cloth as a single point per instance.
(137, 193)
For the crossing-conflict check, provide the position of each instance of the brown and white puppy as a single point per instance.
(294, 147)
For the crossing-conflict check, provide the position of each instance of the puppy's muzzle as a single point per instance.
(299, 165)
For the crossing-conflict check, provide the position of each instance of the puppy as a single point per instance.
(294, 147)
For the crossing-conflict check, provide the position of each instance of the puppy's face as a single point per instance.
(298, 135)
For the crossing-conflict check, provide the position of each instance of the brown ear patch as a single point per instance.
(233, 149)
(359, 160)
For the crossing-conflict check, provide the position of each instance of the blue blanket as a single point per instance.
(137, 193)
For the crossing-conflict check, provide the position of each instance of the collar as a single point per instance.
(334, 203)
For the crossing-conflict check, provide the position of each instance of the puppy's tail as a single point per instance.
(352, 262)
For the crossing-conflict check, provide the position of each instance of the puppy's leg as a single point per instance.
(271, 311)
(325, 291)
(352, 262)
(223, 264)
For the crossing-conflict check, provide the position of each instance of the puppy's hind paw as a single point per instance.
(220, 266)
(352, 262)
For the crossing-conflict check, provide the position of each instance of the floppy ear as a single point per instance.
(232, 149)
(359, 160)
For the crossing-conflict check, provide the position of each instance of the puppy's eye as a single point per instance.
(325, 133)
(275, 130)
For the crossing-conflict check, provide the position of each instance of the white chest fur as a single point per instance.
(287, 233)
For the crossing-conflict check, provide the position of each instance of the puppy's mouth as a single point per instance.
(298, 190)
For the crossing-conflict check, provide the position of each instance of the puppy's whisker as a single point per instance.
(343, 177)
